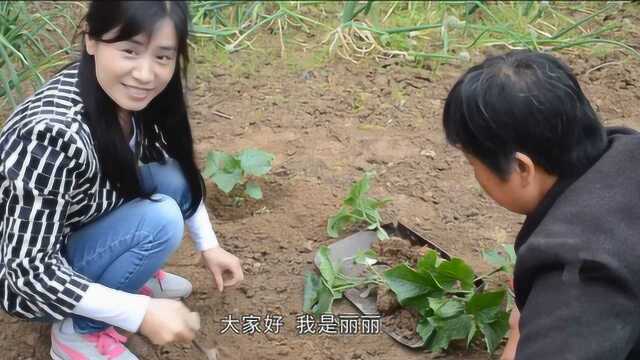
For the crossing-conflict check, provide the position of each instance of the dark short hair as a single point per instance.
(524, 102)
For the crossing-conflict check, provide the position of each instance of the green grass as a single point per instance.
(31, 43)
(442, 31)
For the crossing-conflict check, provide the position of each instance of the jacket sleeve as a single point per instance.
(585, 311)
(41, 166)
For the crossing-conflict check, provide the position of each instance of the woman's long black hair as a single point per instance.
(164, 120)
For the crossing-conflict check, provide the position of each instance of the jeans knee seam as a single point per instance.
(134, 269)
(111, 245)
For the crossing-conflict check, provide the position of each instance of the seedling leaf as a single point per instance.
(255, 162)
(338, 222)
(486, 306)
(227, 181)
(326, 265)
(455, 269)
(359, 188)
(312, 284)
(454, 328)
(504, 262)
(358, 207)
(253, 190)
(511, 252)
(472, 333)
(427, 263)
(368, 257)
(494, 332)
(446, 308)
(382, 234)
(227, 170)
(325, 300)
(425, 329)
(408, 284)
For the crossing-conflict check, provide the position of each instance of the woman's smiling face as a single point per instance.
(135, 71)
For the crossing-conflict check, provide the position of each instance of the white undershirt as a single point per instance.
(199, 224)
(127, 310)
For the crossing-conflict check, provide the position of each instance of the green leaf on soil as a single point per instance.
(446, 307)
(358, 189)
(472, 333)
(255, 162)
(427, 263)
(511, 252)
(219, 162)
(227, 181)
(382, 234)
(408, 284)
(455, 328)
(494, 258)
(504, 262)
(357, 207)
(325, 300)
(368, 257)
(312, 285)
(227, 170)
(485, 305)
(253, 190)
(338, 222)
(317, 297)
(494, 332)
(421, 303)
(455, 269)
(326, 265)
(425, 329)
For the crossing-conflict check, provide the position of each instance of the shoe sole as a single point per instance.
(55, 356)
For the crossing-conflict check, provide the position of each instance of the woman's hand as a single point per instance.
(509, 352)
(224, 267)
(167, 321)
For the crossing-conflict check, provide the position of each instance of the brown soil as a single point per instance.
(404, 323)
(396, 251)
(327, 123)
(386, 300)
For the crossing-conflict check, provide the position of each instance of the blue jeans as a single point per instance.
(125, 247)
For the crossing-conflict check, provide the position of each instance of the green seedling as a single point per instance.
(228, 170)
(358, 207)
(450, 305)
(502, 259)
(441, 291)
(321, 291)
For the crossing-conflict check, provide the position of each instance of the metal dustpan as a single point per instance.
(362, 241)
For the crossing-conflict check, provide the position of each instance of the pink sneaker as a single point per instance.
(103, 345)
(164, 285)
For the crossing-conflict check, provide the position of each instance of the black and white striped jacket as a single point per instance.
(50, 184)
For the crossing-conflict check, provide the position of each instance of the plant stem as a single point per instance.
(347, 12)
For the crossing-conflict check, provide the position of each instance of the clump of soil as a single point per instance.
(396, 250)
(386, 300)
(403, 322)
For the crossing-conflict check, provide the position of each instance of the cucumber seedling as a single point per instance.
(230, 170)
(358, 207)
